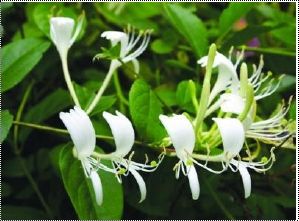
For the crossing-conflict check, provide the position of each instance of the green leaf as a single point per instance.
(10, 212)
(6, 189)
(287, 82)
(287, 35)
(188, 25)
(13, 168)
(161, 47)
(166, 93)
(242, 37)
(130, 13)
(6, 122)
(81, 192)
(86, 96)
(5, 6)
(47, 107)
(233, 13)
(145, 109)
(184, 96)
(19, 58)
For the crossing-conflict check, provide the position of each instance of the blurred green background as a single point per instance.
(182, 33)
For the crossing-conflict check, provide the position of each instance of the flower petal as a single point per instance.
(81, 130)
(193, 182)
(97, 187)
(232, 103)
(61, 29)
(140, 182)
(122, 131)
(227, 75)
(181, 133)
(245, 177)
(246, 180)
(232, 134)
(115, 37)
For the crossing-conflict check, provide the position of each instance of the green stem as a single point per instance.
(19, 115)
(123, 101)
(218, 201)
(68, 80)
(35, 187)
(62, 131)
(268, 51)
(100, 92)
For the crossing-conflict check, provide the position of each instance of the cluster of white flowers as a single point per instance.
(230, 96)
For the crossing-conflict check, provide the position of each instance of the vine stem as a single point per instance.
(268, 50)
(122, 100)
(62, 131)
(18, 117)
(34, 186)
(102, 88)
(68, 80)
(18, 152)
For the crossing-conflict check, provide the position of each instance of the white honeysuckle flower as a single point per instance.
(63, 34)
(233, 138)
(271, 130)
(83, 135)
(227, 76)
(227, 79)
(182, 135)
(128, 41)
(124, 136)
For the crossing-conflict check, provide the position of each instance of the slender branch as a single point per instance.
(277, 51)
(63, 131)
(102, 88)
(35, 187)
(122, 100)
(68, 79)
(18, 117)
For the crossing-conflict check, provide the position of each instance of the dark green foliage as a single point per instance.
(181, 34)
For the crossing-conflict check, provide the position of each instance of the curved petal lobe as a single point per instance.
(81, 130)
(245, 177)
(115, 37)
(140, 183)
(227, 75)
(97, 186)
(122, 131)
(232, 134)
(232, 103)
(181, 133)
(193, 182)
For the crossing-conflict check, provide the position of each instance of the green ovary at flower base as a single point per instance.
(82, 133)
